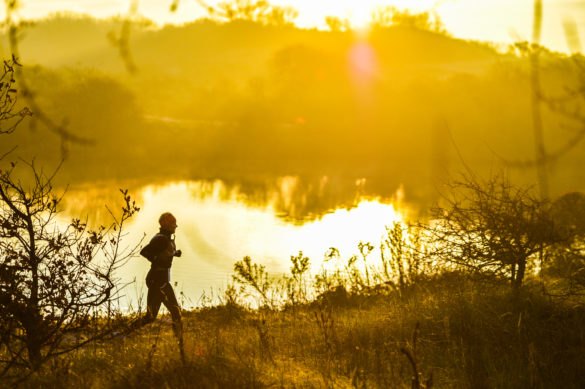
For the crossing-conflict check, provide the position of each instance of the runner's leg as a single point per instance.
(170, 302)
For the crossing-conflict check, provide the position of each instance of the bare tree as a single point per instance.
(9, 117)
(535, 99)
(568, 105)
(492, 227)
(121, 41)
(54, 277)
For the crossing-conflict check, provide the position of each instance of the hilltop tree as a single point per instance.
(392, 16)
(337, 24)
(260, 11)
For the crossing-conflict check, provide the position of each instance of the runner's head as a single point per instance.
(168, 222)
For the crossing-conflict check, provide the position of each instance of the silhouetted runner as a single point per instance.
(160, 252)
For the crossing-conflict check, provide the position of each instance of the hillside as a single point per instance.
(245, 102)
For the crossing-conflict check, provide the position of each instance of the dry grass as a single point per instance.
(472, 335)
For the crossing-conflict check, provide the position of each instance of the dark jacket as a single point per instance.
(160, 252)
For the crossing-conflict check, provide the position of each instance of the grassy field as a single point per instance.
(448, 331)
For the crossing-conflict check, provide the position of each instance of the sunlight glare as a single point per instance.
(344, 229)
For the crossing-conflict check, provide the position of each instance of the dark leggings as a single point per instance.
(156, 296)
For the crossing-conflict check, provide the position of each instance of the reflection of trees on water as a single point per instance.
(292, 198)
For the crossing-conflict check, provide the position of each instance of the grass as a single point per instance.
(469, 334)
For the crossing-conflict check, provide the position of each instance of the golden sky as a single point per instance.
(503, 21)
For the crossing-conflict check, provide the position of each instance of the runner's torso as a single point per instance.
(160, 252)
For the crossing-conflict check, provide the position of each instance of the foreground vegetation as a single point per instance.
(452, 330)
(488, 294)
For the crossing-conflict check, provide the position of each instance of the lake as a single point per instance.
(218, 225)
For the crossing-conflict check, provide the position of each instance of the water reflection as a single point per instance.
(218, 227)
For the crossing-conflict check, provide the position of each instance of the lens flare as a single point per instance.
(362, 61)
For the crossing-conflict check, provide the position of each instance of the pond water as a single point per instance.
(217, 226)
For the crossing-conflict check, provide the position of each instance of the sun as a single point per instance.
(360, 15)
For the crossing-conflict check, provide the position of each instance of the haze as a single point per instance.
(497, 21)
(250, 102)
